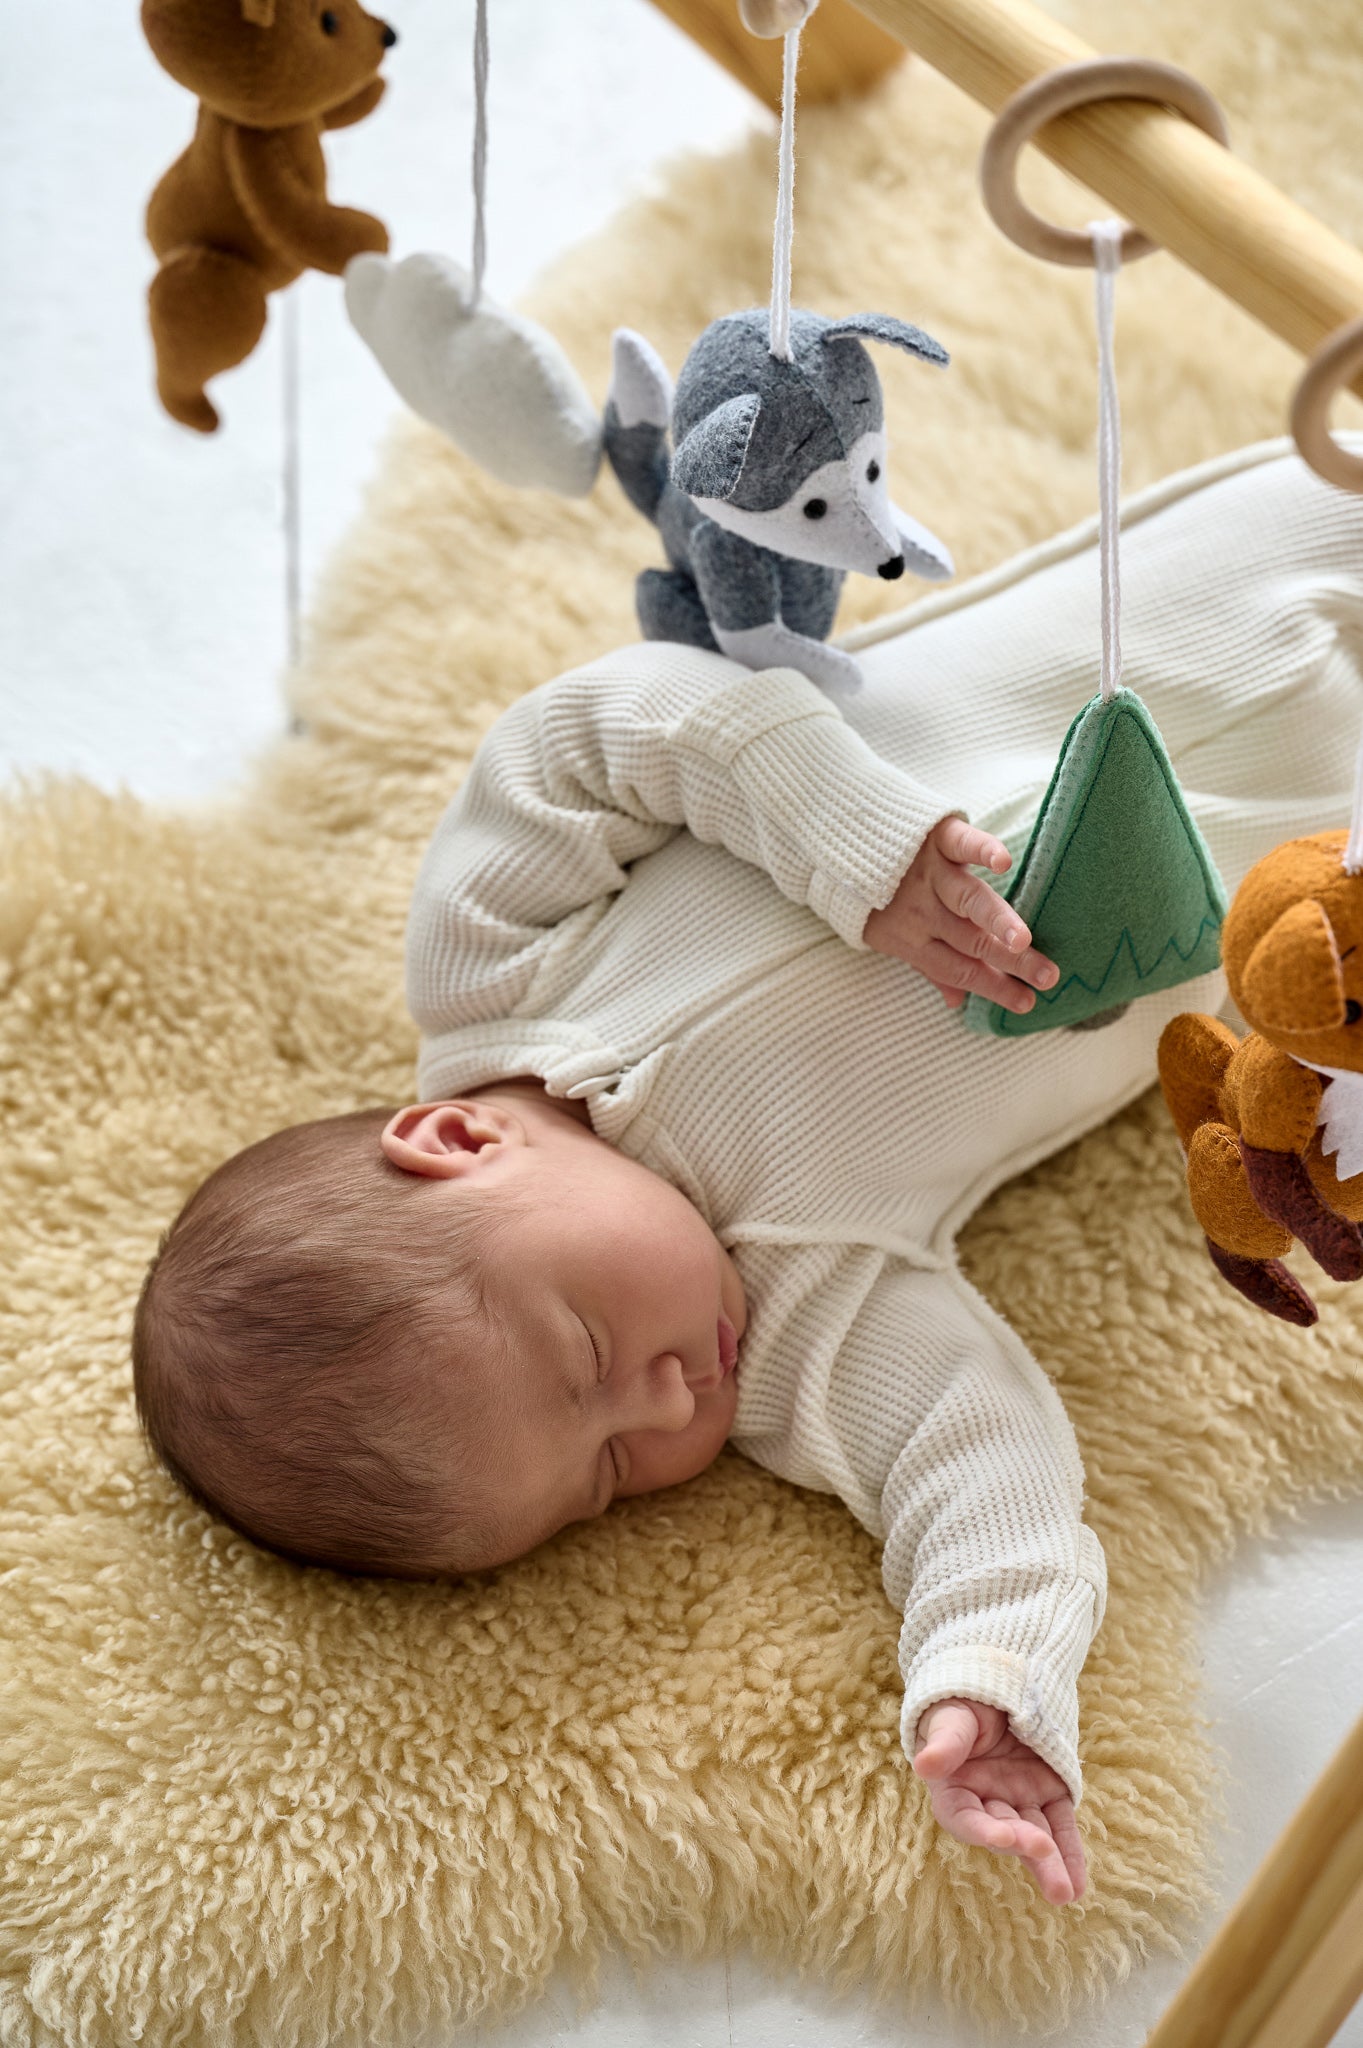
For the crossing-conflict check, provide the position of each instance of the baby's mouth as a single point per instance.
(728, 1346)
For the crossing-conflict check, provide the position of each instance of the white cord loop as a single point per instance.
(479, 148)
(783, 238)
(1106, 236)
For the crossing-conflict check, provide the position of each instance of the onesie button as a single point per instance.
(597, 1084)
(576, 1074)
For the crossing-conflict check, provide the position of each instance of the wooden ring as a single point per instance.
(1334, 364)
(1058, 92)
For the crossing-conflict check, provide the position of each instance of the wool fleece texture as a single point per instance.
(246, 1803)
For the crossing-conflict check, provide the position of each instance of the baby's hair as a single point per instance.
(287, 1346)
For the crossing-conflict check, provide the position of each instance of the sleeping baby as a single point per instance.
(696, 1120)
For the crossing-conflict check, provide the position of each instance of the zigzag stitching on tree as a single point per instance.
(1125, 939)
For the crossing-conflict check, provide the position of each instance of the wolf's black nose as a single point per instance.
(889, 570)
(390, 36)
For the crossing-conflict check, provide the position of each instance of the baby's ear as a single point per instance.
(709, 462)
(884, 327)
(446, 1140)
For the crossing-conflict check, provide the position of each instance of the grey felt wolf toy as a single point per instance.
(776, 487)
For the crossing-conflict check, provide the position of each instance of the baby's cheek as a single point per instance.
(658, 1460)
(726, 1396)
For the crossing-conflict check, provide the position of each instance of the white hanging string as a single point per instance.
(479, 148)
(293, 487)
(1106, 236)
(783, 237)
(1352, 857)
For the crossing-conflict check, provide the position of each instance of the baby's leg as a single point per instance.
(1263, 728)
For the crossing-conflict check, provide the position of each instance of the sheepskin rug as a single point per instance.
(243, 1803)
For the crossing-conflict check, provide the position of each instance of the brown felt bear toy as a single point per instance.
(1259, 1116)
(245, 210)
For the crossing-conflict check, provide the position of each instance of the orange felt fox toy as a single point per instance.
(245, 210)
(1260, 1117)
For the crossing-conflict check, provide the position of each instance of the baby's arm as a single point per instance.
(1000, 1583)
(591, 772)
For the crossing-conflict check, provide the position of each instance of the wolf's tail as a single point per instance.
(638, 411)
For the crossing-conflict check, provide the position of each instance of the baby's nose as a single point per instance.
(676, 1381)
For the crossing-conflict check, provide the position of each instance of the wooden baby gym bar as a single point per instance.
(1285, 1968)
(1185, 190)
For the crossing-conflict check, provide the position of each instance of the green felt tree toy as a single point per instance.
(1117, 883)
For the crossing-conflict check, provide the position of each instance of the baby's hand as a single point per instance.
(990, 1789)
(953, 927)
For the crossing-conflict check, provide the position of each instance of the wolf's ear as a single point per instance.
(259, 12)
(710, 460)
(884, 327)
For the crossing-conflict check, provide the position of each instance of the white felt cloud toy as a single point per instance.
(498, 385)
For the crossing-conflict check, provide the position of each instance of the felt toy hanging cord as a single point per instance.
(1117, 883)
(498, 385)
(783, 231)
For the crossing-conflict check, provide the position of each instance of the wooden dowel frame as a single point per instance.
(1216, 214)
(1285, 1967)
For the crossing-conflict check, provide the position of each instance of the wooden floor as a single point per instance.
(149, 584)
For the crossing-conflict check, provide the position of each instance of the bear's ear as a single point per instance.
(1293, 981)
(884, 327)
(710, 460)
(260, 12)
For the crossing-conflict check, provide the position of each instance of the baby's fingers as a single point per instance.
(998, 1827)
(1063, 1826)
(947, 968)
(949, 1730)
(1037, 1847)
(981, 924)
(966, 843)
(969, 896)
(961, 1814)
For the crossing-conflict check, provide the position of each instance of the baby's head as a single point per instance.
(421, 1342)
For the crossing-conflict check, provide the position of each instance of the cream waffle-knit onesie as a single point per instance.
(706, 992)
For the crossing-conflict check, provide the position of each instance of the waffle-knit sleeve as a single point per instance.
(592, 771)
(1001, 1583)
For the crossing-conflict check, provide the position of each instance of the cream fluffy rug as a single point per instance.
(242, 1803)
